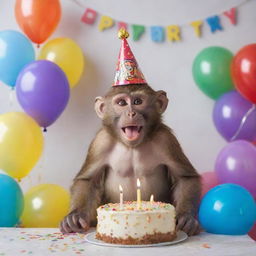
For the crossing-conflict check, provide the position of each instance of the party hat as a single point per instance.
(127, 68)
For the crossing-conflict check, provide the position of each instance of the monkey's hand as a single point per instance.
(188, 224)
(76, 221)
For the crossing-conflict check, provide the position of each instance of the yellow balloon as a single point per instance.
(67, 55)
(45, 206)
(21, 143)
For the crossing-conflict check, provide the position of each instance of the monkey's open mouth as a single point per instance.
(132, 132)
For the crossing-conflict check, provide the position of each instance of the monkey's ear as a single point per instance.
(161, 101)
(99, 106)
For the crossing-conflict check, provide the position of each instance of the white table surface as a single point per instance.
(45, 241)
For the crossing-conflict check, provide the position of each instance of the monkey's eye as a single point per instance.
(137, 101)
(122, 102)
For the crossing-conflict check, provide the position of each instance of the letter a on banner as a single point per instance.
(89, 16)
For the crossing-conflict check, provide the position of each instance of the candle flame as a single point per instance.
(120, 188)
(138, 183)
(152, 198)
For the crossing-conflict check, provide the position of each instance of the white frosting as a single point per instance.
(122, 223)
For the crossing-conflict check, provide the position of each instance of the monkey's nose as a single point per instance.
(131, 114)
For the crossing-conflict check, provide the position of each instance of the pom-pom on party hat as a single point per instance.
(127, 68)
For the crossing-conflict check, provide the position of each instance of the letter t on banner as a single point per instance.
(89, 16)
(197, 27)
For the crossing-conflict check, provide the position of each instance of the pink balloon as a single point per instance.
(252, 232)
(209, 180)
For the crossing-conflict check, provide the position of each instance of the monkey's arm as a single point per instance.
(186, 186)
(88, 187)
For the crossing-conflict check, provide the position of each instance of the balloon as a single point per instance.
(21, 143)
(211, 71)
(16, 51)
(235, 117)
(252, 232)
(243, 70)
(227, 209)
(66, 54)
(236, 164)
(209, 180)
(45, 206)
(43, 91)
(38, 18)
(11, 201)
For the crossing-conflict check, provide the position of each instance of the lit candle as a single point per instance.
(151, 200)
(121, 197)
(138, 195)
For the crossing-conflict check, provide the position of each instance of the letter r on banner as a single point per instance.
(173, 33)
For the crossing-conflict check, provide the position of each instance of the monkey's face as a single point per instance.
(131, 115)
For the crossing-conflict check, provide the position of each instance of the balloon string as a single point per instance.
(245, 117)
(39, 178)
(42, 160)
(30, 181)
(11, 97)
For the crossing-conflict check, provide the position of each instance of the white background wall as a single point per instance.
(166, 66)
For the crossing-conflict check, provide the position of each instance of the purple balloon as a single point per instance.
(228, 114)
(43, 91)
(236, 163)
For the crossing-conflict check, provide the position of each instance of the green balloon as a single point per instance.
(211, 71)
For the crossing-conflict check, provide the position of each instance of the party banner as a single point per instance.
(158, 34)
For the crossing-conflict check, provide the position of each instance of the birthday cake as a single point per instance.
(153, 222)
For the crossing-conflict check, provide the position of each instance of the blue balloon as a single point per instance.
(11, 201)
(227, 209)
(15, 52)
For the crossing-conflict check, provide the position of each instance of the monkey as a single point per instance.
(132, 143)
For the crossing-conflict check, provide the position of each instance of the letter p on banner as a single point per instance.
(105, 22)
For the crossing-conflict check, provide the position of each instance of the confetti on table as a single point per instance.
(56, 241)
(49, 241)
(206, 246)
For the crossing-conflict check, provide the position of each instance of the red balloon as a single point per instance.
(243, 72)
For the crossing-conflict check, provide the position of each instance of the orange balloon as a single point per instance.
(38, 18)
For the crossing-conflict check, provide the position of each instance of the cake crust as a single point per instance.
(146, 239)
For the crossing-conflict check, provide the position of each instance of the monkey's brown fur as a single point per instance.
(154, 156)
